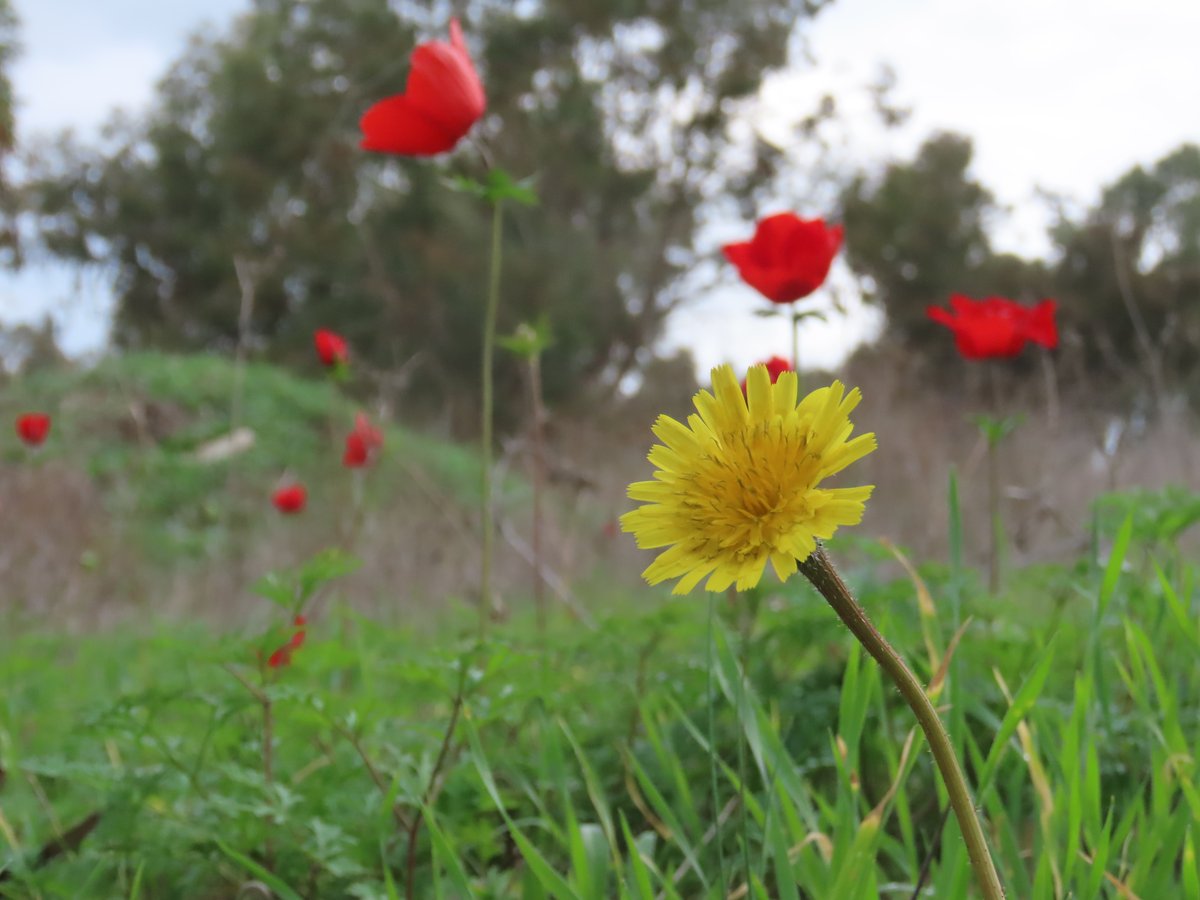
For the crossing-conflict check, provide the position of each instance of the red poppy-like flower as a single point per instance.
(290, 498)
(788, 258)
(442, 99)
(776, 366)
(361, 443)
(332, 349)
(33, 428)
(996, 328)
(283, 655)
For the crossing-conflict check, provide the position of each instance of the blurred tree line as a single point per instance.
(240, 209)
(238, 212)
(1125, 272)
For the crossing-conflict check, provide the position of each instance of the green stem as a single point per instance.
(994, 435)
(712, 746)
(744, 642)
(820, 571)
(995, 521)
(796, 346)
(489, 344)
(539, 479)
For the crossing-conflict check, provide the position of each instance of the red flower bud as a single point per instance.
(331, 347)
(33, 428)
(361, 443)
(290, 498)
(776, 366)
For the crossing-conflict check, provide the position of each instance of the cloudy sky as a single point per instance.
(1058, 94)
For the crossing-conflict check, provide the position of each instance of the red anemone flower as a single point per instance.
(290, 499)
(996, 328)
(331, 347)
(361, 443)
(776, 366)
(283, 655)
(788, 258)
(442, 99)
(33, 428)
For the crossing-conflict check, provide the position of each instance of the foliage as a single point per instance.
(244, 188)
(1129, 273)
(600, 787)
(137, 424)
(919, 232)
(1125, 271)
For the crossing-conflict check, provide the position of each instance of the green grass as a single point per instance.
(580, 765)
(177, 509)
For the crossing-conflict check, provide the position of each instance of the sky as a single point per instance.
(1062, 95)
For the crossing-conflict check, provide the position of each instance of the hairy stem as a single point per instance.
(489, 345)
(820, 571)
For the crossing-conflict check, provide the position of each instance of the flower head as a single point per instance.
(361, 443)
(442, 99)
(996, 328)
(290, 498)
(282, 656)
(788, 258)
(33, 428)
(738, 485)
(332, 349)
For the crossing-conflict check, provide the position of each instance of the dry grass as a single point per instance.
(63, 557)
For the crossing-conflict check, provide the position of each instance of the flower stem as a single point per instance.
(489, 343)
(995, 521)
(712, 744)
(539, 480)
(995, 514)
(820, 571)
(796, 346)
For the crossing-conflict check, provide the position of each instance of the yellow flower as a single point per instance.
(738, 484)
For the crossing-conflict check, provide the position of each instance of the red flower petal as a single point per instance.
(33, 428)
(356, 451)
(788, 258)
(442, 99)
(996, 328)
(776, 366)
(331, 347)
(290, 499)
(361, 442)
(280, 658)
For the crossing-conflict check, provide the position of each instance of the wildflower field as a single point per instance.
(262, 636)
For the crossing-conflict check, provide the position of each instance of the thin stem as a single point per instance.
(995, 520)
(431, 787)
(539, 477)
(744, 634)
(819, 570)
(712, 744)
(796, 345)
(994, 515)
(268, 742)
(489, 343)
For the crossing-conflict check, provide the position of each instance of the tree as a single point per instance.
(248, 163)
(1128, 274)
(9, 47)
(919, 232)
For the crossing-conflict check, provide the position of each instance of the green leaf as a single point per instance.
(496, 187)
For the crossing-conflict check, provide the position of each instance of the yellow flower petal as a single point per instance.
(737, 486)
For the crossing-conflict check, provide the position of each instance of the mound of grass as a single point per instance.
(138, 424)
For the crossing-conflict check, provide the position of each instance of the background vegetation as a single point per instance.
(145, 751)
